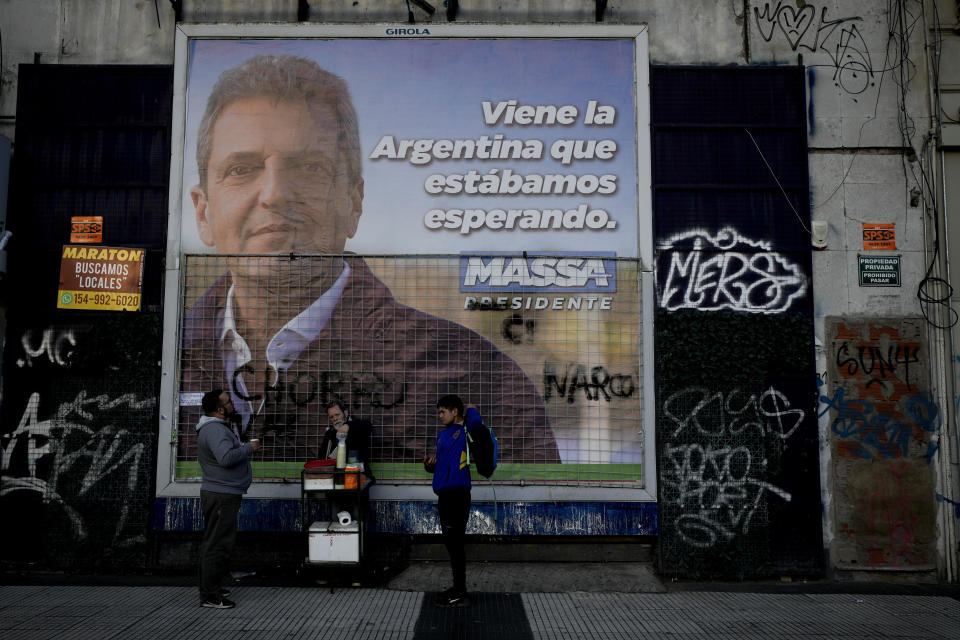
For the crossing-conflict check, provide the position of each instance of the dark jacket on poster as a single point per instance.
(385, 361)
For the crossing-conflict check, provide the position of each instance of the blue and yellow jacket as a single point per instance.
(452, 468)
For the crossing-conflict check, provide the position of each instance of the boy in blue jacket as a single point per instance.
(451, 483)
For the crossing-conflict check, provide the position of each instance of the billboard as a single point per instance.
(381, 218)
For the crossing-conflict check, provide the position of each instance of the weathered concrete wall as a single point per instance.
(79, 32)
(884, 435)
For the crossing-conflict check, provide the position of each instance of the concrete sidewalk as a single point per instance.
(172, 612)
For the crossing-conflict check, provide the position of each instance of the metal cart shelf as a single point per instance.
(337, 498)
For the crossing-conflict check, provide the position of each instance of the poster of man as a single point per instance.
(357, 229)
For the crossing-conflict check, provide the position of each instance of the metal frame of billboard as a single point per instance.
(167, 485)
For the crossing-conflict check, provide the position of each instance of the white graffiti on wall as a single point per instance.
(106, 450)
(717, 491)
(56, 345)
(728, 271)
(711, 492)
(713, 413)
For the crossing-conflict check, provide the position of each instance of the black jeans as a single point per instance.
(453, 506)
(219, 537)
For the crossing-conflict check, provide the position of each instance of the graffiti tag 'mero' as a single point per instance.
(726, 271)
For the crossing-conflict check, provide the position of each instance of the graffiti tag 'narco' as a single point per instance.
(600, 384)
(727, 271)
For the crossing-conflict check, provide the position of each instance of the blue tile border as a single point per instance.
(420, 517)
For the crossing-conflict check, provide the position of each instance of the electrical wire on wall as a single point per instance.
(884, 69)
(901, 24)
(932, 290)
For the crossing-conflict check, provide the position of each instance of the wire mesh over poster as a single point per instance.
(547, 347)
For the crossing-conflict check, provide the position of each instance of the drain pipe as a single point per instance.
(943, 364)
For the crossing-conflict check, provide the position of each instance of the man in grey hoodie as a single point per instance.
(225, 463)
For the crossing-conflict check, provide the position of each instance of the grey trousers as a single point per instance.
(219, 537)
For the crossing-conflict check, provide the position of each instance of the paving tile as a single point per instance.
(173, 613)
(104, 623)
(29, 634)
(144, 633)
(49, 622)
(80, 611)
(27, 611)
(12, 622)
(266, 634)
(91, 634)
(13, 595)
(936, 625)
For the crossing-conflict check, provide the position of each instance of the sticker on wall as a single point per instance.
(86, 229)
(879, 271)
(879, 237)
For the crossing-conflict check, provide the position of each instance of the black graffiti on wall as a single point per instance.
(596, 383)
(881, 365)
(303, 387)
(518, 329)
(838, 40)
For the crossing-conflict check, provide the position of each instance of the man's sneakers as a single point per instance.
(452, 598)
(218, 603)
(224, 593)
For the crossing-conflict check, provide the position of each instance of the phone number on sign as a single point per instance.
(108, 299)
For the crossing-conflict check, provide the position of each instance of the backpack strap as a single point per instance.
(466, 432)
(492, 487)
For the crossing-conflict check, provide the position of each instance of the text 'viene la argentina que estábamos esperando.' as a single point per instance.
(494, 182)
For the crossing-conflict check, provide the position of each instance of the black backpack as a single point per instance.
(482, 445)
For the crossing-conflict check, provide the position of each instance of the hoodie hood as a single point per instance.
(205, 420)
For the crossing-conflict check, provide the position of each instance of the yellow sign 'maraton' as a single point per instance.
(100, 278)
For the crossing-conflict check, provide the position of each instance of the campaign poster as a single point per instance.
(383, 221)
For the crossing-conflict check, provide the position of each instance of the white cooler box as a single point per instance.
(317, 481)
(334, 542)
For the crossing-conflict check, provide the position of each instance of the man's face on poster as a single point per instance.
(276, 181)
